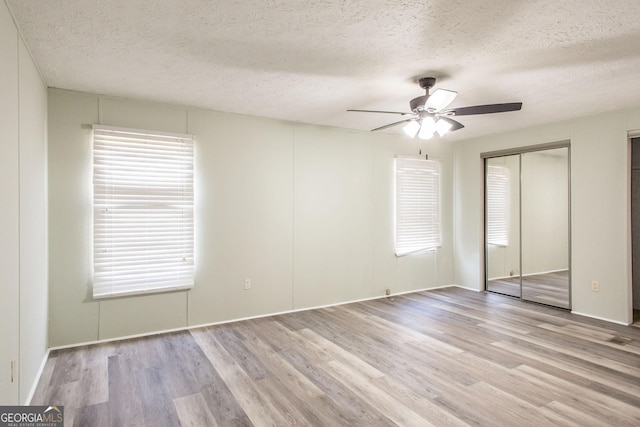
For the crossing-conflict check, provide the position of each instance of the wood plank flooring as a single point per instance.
(447, 357)
(547, 288)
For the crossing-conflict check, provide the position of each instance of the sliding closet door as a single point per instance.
(502, 224)
(527, 251)
(545, 226)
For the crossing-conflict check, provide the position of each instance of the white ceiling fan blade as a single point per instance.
(439, 99)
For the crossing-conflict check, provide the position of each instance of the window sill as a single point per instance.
(108, 295)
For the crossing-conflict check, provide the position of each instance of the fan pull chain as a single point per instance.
(426, 156)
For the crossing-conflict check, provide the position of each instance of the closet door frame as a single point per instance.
(518, 151)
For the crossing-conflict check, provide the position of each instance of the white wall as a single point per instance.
(23, 216)
(305, 212)
(10, 212)
(33, 223)
(599, 207)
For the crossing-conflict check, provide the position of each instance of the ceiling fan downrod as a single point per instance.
(417, 104)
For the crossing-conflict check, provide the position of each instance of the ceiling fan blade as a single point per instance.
(484, 109)
(440, 99)
(455, 125)
(384, 112)
(392, 124)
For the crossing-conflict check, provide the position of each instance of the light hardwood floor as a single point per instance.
(448, 357)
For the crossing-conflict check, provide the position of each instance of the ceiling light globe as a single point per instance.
(411, 128)
(428, 125)
(443, 126)
(427, 129)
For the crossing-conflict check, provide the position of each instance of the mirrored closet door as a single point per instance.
(527, 252)
(502, 224)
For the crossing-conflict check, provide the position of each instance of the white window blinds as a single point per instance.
(143, 211)
(417, 205)
(497, 205)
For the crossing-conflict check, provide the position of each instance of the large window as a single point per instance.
(143, 211)
(417, 205)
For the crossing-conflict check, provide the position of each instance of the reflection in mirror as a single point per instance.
(502, 192)
(545, 226)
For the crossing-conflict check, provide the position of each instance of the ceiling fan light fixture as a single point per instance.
(411, 128)
(430, 112)
(443, 126)
(427, 129)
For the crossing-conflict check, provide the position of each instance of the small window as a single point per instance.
(143, 211)
(497, 205)
(417, 205)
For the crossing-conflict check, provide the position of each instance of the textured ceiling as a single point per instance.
(309, 61)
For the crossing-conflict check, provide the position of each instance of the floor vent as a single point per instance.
(620, 340)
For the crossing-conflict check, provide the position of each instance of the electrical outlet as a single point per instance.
(247, 284)
(595, 286)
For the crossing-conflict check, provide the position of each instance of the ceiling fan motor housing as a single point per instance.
(427, 82)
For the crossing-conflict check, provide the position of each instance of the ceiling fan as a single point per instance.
(429, 114)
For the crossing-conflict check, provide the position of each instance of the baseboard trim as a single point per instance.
(37, 379)
(600, 318)
(461, 287)
(240, 319)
